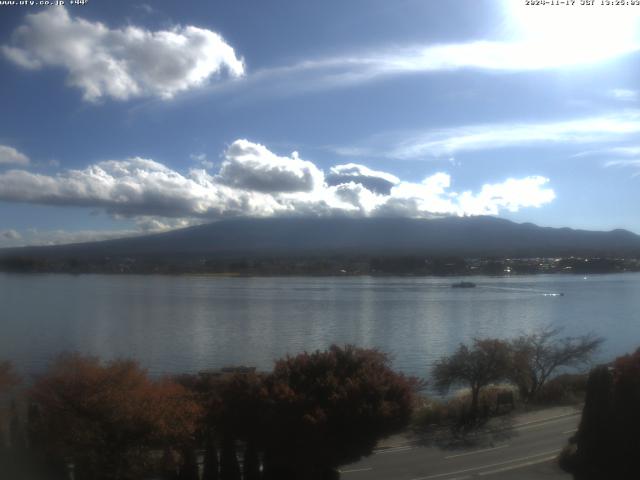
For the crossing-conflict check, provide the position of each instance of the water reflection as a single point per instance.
(186, 323)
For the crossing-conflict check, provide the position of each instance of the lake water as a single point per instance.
(188, 323)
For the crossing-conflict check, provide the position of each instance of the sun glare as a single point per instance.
(574, 34)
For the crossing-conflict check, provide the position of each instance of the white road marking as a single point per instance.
(354, 470)
(477, 451)
(557, 418)
(570, 431)
(393, 450)
(481, 467)
(520, 465)
(525, 426)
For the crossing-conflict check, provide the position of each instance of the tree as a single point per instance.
(251, 462)
(189, 466)
(606, 444)
(210, 467)
(485, 362)
(233, 402)
(537, 356)
(229, 466)
(328, 408)
(109, 417)
(8, 377)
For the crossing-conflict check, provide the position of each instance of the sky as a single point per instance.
(121, 118)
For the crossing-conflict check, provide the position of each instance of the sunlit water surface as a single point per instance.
(188, 323)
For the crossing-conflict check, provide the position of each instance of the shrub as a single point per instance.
(564, 389)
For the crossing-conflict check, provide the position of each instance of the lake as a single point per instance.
(188, 323)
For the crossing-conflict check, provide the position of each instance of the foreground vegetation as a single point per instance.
(311, 414)
(527, 363)
(607, 443)
(315, 411)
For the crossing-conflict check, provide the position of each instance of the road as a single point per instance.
(522, 451)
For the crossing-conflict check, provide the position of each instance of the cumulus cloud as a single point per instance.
(121, 63)
(11, 156)
(255, 182)
(252, 166)
(10, 234)
(376, 181)
(135, 186)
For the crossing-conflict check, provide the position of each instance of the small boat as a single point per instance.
(463, 285)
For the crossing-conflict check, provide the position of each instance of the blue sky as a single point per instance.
(126, 117)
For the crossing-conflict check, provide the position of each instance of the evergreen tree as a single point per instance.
(251, 464)
(229, 466)
(210, 471)
(189, 465)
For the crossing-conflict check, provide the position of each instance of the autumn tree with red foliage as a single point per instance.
(234, 405)
(328, 408)
(110, 419)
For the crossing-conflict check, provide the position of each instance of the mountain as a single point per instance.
(468, 236)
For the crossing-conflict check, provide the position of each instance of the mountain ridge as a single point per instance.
(297, 236)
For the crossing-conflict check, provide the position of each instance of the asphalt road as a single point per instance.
(524, 452)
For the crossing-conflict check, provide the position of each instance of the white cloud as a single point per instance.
(255, 182)
(625, 151)
(143, 225)
(433, 197)
(623, 163)
(202, 160)
(10, 234)
(533, 40)
(376, 181)
(252, 166)
(121, 63)
(11, 156)
(512, 195)
(136, 186)
(35, 237)
(509, 56)
(161, 224)
(624, 94)
(628, 156)
(445, 142)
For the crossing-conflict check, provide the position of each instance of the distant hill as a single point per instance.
(469, 236)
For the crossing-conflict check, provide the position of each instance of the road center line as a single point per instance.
(520, 465)
(538, 425)
(477, 451)
(393, 450)
(544, 421)
(481, 467)
(354, 470)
